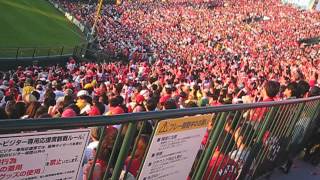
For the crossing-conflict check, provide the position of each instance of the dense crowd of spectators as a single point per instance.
(181, 54)
(186, 31)
(90, 88)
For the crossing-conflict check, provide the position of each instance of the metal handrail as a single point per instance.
(85, 121)
(273, 128)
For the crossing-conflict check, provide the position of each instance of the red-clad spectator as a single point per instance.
(133, 163)
(221, 166)
(269, 92)
(114, 107)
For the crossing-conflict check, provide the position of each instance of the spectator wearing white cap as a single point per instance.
(84, 102)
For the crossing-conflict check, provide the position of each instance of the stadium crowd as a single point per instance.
(185, 31)
(181, 54)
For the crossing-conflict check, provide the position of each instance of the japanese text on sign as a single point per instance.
(174, 147)
(44, 155)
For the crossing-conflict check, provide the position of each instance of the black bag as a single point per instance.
(312, 150)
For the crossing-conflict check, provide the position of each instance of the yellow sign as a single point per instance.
(183, 124)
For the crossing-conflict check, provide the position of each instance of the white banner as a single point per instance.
(318, 6)
(77, 23)
(69, 17)
(42, 155)
(304, 4)
(174, 148)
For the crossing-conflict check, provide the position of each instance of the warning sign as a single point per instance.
(174, 147)
(42, 155)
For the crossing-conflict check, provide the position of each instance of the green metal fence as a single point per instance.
(40, 52)
(244, 140)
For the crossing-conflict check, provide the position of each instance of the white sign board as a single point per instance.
(42, 155)
(174, 148)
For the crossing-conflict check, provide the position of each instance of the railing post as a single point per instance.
(212, 143)
(147, 149)
(134, 149)
(17, 54)
(103, 132)
(75, 49)
(116, 144)
(61, 50)
(124, 150)
(34, 52)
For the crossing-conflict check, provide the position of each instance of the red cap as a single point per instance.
(69, 85)
(312, 83)
(139, 99)
(68, 113)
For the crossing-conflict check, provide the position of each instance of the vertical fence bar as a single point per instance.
(75, 49)
(61, 52)
(98, 151)
(134, 149)
(282, 114)
(148, 147)
(124, 150)
(81, 50)
(208, 152)
(268, 119)
(265, 124)
(306, 116)
(316, 111)
(236, 121)
(298, 115)
(258, 125)
(288, 129)
(17, 54)
(243, 156)
(276, 129)
(222, 162)
(116, 144)
(215, 119)
(217, 140)
(34, 53)
(312, 123)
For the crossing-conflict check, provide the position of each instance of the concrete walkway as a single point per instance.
(300, 171)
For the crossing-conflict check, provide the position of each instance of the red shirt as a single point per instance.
(134, 167)
(163, 99)
(259, 113)
(116, 110)
(222, 168)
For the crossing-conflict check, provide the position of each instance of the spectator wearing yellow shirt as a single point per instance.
(28, 88)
